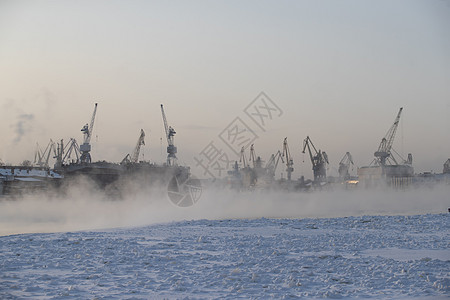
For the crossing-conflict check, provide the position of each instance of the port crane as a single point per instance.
(134, 158)
(446, 167)
(272, 164)
(383, 155)
(344, 165)
(289, 160)
(252, 155)
(242, 158)
(85, 148)
(170, 133)
(41, 158)
(64, 154)
(71, 148)
(318, 160)
(256, 160)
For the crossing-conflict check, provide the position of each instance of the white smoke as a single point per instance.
(23, 126)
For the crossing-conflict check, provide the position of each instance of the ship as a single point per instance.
(20, 180)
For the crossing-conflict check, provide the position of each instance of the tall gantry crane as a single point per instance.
(242, 158)
(256, 160)
(170, 133)
(344, 165)
(383, 154)
(289, 160)
(446, 167)
(272, 164)
(41, 158)
(252, 156)
(134, 158)
(319, 159)
(85, 148)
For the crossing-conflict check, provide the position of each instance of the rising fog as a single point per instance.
(83, 207)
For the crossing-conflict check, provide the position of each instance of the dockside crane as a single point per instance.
(383, 155)
(170, 133)
(289, 160)
(134, 158)
(41, 158)
(446, 169)
(71, 148)
(256, 160)
(85, 148)
(319, 159)
(272, 163)
(37, 155)
(242, 158)
(344, 165)
(252, 156)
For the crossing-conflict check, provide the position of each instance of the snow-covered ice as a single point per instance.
(390, 245)
(368, 256)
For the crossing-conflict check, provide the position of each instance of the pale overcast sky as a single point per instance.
(337, 70)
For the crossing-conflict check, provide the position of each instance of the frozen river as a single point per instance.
(400, 257)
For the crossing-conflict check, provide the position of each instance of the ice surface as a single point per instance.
(390, 257)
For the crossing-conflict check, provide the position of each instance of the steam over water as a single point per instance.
(85, 208)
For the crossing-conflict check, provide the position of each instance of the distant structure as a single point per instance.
(272, 164)
(170, 133)
(288, 158)
(319, 160)
(85, 148)
(385, 168)
(446, 167)
(134, 158)
(344, 166)
(42, 157)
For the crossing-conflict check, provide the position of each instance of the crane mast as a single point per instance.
(384, 150)
(85, 148)
(318, 160)
(289, 160)
(170, 133)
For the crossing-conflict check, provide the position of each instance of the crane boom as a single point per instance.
(166, 126)
(137, 149)
(134, 158)
(87, 129)
(71, 146)
(384, 150)
(50, 147)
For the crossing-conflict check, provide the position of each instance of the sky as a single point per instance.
(336, 71)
